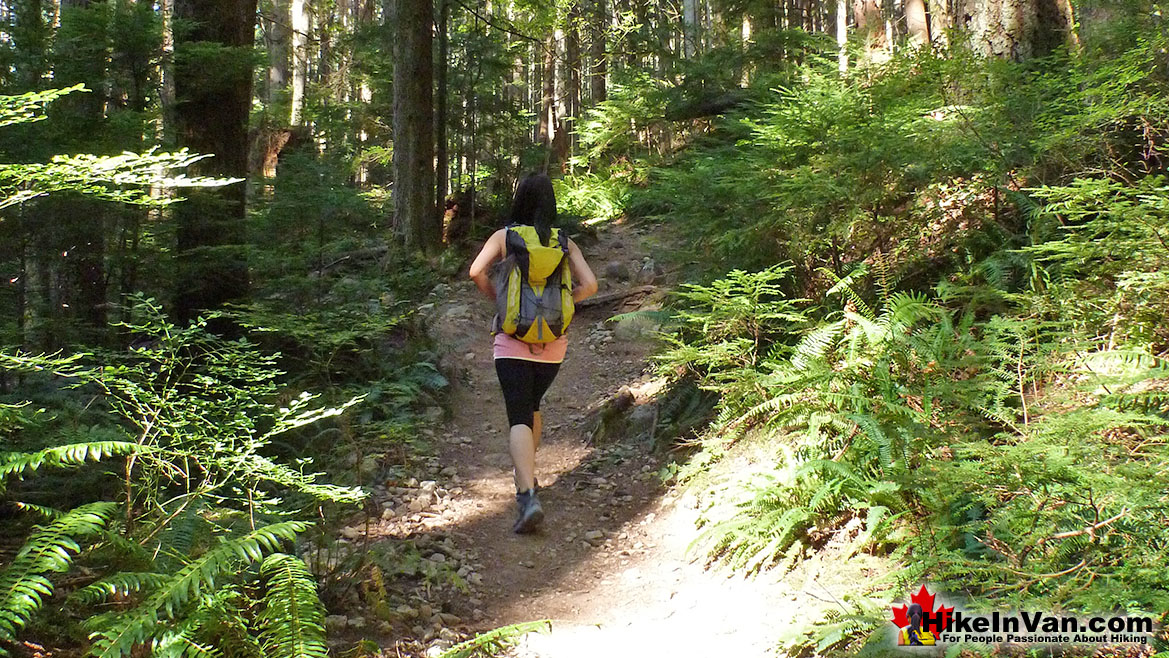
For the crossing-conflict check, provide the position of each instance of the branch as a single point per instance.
(614, 296)
(497, 26)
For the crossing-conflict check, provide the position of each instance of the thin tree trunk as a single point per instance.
(166, 73)
(689, 27)
(442, 157)
(276, 43)
(547, 126)
(842, 35)
(745, 35)
(598, 53)
(300, 31)
(572, 62)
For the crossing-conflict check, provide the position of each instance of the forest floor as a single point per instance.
(611, 567)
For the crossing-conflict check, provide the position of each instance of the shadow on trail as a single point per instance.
(590, 493)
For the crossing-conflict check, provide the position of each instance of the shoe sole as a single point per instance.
(529, 521)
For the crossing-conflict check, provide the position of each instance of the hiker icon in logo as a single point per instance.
(919, 623)
(912, 635)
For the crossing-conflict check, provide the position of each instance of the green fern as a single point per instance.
(139, 625)
(67, 456)
(24, 583)
(292, 623)
(491, 642)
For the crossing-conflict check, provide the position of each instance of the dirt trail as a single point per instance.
(610, 567)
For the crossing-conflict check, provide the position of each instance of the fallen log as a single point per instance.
(601, 300)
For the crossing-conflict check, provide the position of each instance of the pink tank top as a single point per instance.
(507, 347)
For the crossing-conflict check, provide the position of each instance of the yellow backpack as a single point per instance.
(533, 286)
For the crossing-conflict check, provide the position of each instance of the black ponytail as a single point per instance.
(535, 204)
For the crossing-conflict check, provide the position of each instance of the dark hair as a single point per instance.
(535, 204)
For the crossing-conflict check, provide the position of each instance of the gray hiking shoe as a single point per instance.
(530, 512)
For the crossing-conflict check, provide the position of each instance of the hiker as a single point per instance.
(534, 293)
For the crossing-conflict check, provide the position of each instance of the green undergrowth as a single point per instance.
(933, 295)
(173, 491)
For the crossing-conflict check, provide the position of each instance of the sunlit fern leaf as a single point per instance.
(120, 585)
(815, 344)
(872, 430)
(293, 621)
(140, 624)
(71, 455)
(24, 583)
(497, 639)
(182, 645)
(39, 510)
(844, 286)
(656, 316)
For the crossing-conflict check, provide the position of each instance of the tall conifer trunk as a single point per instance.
(442, 157)
(213, 89)
(415, 214)
(598, 53)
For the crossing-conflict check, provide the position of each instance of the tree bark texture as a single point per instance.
(300, 30)
(276, 42)
(416, 217)
(573, 66)
(915, 22)
(941, 20)
(598, 53)
(213, 83)
(547, 123)
(842, 35)
(442, 156)
(1016, 29)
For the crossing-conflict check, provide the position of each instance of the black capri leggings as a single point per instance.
(524, 383)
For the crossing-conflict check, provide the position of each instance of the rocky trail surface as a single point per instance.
(610, 568)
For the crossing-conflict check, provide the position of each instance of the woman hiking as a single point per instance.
(534, 296)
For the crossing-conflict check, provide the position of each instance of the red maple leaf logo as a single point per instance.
(926, 601)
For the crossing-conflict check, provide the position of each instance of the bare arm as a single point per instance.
(492, 251)
(585, 282)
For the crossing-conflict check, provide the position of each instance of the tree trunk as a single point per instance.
(572, 62)
(842, 35)
(166, 73)
(300, 31)
(213, 83)
(598, 53)
(411, 23)
(1016, 29)
(442, 157)
(869, 24)
(916, 24)
(1056, 26)
(276, 43)
(547, 126)
(941, 21)
(689, 27)
(745, 37)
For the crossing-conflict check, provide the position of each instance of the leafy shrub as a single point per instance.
(202, 499)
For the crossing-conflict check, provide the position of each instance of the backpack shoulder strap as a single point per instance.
(561, 240)
(516, 247)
